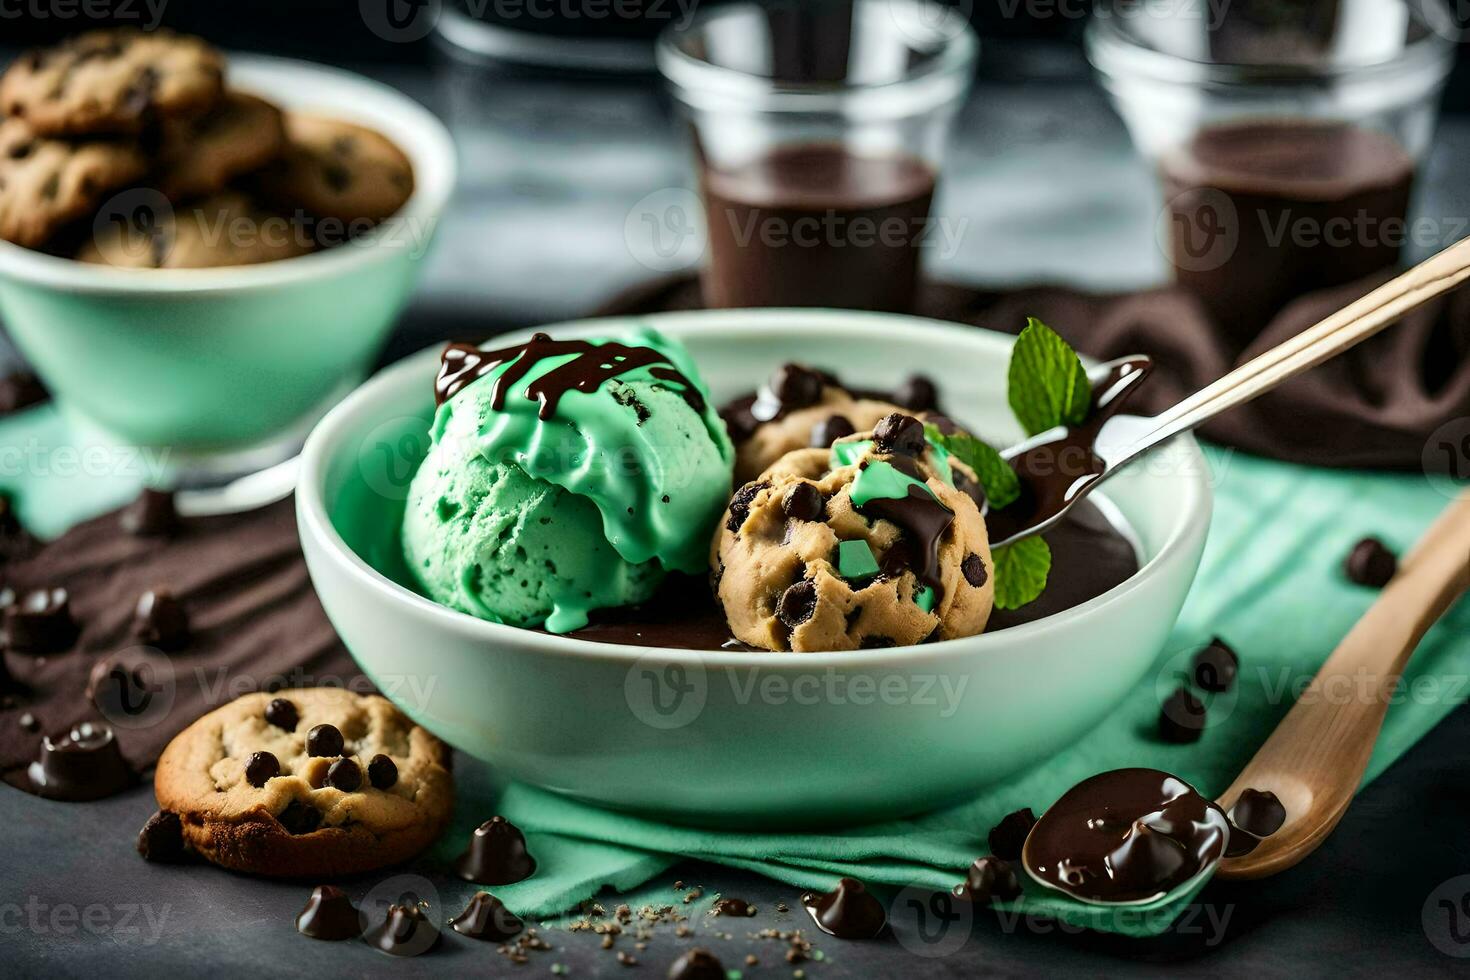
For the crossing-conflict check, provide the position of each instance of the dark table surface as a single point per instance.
(539, 232)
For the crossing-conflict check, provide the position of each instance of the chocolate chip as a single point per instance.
(877, 643)
(990, 879)
(345, 775)
(1008, 836)
(486, 918)
(329, 915)
(260, 768)
(697, 964)
(804, 502)
(120, 685)
(973, 568)
(151, 515)
(337, 177)
(739, 420)
(41, 622)
(916, 393)
(1182, 718)
(896, 560)
(795, 386)
(798, 603)
(899, 434)
(1258, 812)
(382, 772)
(1371, 563)
(406, 931)
(324, 741)
(85, 763)
(161, 621)
(1215, 666)
(19, 391)
(497, 855)
(282, 714)
(740, 505)
(830, 429)
(299, 818)
(162, 838)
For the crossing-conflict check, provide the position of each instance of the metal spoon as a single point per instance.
(1057, 471)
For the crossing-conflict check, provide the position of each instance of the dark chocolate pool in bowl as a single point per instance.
(706, 736)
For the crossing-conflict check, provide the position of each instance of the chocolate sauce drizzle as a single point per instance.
(594, 365)
(924, 521)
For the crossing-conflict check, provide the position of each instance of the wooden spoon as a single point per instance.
(1315, 759)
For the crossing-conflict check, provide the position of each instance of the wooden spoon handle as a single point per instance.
(1315, 759)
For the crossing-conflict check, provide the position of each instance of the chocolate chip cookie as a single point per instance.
(243, 133)
(227, 229)
(46, 183)
(337, 170)
(115, 81)
(309, 782)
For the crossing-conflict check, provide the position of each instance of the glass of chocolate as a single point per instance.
(818, 129)
(1286, 136)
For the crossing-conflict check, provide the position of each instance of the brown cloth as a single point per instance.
(1374, 406)
(256, 623)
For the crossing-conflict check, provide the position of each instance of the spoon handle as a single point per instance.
(1349, 326)
(1315, 759)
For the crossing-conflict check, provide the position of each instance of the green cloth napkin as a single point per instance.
(1271, 585)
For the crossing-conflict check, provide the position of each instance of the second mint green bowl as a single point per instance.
(734, 738)
(198, 362)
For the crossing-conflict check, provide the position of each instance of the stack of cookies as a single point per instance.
(129, 148)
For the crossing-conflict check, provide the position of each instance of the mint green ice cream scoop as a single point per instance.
(566, 476)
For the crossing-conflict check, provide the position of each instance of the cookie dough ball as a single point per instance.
(865, 544)
(802, 407)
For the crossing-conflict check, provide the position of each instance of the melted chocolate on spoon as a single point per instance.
(1130, 835)
(594, 365)
(1057, 471)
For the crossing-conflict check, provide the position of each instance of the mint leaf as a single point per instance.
(1002, 485)
(1020, 572)
(1047, 383)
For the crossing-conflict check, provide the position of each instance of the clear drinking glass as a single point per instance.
(818, 132)
(1287, 139)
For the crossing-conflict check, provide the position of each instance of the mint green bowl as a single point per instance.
(734, 738)
(219, 361)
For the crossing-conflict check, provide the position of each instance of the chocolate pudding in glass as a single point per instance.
(818, 130)
(1286, 151)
